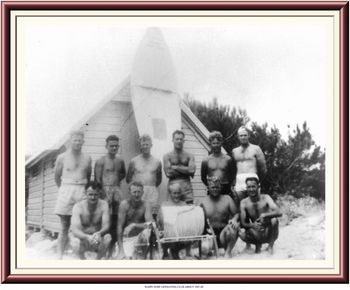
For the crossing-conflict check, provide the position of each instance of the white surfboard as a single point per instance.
(154, 92)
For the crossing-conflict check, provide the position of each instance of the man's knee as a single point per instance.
(230, 233)
(252, 236)
(223, 238)
(242, 234)
(274, 222)
(75, 243)
(107, 239)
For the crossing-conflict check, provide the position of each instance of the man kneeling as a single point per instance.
(223, 215)
(133, 219)
(259, 217)
(90, 224)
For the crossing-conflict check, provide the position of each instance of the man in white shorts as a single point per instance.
(250, 162)
(72, 173)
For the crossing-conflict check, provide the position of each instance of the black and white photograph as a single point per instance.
(176, 140)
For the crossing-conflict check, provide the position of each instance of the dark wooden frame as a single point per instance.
(341, 6)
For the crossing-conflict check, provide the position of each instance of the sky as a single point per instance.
(276, 70)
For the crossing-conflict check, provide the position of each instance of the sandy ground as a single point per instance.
(301, 238)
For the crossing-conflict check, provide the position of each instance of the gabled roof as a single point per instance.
(118, 94)
(35, 158)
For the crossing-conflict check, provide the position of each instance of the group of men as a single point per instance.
(99, 216)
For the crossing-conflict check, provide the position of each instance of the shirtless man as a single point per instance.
(109, 172)
(259, 217)
(72, 173)
(146, 169)
(250, 162)
(90, 223)
(218, 164)
(133, 217)
(223, 216)
(179, 166)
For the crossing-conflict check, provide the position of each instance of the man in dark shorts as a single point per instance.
(179, 166)
(90, 224)
(218, 164)
(147, 169)
(223, 215)
(258, 217)
(109, 172)
(134, 216)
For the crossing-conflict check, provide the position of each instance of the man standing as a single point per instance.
(259, 217)
(146, 169)
(134, 213)
(179, 166)
(72, 173)
(250, 162)
(218, 164)
(90, 223)
(109, 172)
(223, 216)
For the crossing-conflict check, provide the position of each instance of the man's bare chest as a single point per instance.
(136, 215)
(111, 165)
(179, 159)
(215, 209)
(72, 164)
(217, 163)
(90, 219)
(256, 208)
(142, 167)
(244, 155)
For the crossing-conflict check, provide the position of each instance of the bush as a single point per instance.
(293, 207)
(295, 167)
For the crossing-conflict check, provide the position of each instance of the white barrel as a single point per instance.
(182, 221)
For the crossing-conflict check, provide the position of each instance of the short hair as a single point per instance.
(145, 137)
(171, 184)
(77, 133)
(215, 135)
(136, 184)
(252, 179)
(243, 128)
(178, 132)
(112, 138)
(94, 185)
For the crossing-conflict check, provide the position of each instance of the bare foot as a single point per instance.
(269, 249)
(120, 256)
(227, 255)
(248, 248)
